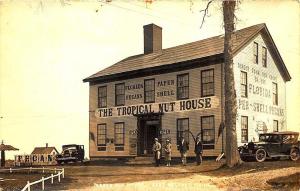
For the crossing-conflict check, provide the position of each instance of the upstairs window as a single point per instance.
(207, 83)
(149, 88)
(264, 56)
(102, 96)
(183, 86)
(244, 85)
(120, 94)
(275, 93)
(255, 52)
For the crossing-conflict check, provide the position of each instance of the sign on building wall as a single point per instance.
(165, 107)
(34, 159)
(261, 91)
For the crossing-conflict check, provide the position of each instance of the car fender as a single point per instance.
(295, 147)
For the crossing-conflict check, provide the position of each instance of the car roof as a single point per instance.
(281, 133)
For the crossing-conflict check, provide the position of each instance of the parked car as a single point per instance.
(272, 145)
(70, 153)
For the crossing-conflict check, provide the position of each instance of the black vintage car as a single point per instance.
(272, 145)
(70, 153)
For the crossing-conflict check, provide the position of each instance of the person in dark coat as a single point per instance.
(198, 150)
(183, 148)
(157, 151)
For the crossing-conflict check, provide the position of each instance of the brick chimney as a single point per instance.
(152, 38)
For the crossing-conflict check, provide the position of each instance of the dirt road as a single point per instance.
(269, 175)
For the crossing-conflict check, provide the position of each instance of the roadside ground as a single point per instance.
(211, 175)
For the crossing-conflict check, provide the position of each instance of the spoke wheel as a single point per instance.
(295, 154)
(260, 155)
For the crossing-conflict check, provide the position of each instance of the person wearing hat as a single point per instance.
(183, 148)
(198, 150)
(156, 150)
(168, 152)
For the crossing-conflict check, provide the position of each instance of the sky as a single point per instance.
(47, 47)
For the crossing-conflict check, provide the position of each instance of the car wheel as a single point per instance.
(295, 154)
(260, 155)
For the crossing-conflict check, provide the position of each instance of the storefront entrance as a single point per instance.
(148, 128)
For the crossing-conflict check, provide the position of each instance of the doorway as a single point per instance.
(149, 128)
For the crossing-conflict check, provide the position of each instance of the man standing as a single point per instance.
(198, 150)
(183, 147)
(156, 150)
(168, 150)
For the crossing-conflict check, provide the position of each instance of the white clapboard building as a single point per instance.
(179, 91)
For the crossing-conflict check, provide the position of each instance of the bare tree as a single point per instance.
(230, 106)
(231, 152)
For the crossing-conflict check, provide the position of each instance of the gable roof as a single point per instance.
(43, 150)
(209, 47)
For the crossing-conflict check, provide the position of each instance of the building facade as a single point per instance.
(40, 156)
(179, 92)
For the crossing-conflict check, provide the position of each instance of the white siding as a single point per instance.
(258, 77)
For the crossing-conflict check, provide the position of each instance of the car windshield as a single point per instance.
(269, 138)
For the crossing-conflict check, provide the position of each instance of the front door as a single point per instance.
(148, 130)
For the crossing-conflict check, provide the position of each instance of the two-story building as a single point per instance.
(179, 91)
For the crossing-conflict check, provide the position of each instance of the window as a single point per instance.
(244, 88)
(275, 126)
(207, 83)
(183, 86)
(120, 94)
(244, 127)
(275, 94)
(149, 90)
(101, 137)
(255, 52)
(102, 96)
(182, 129)
(119, 136)
(208, 132)
(264, 57)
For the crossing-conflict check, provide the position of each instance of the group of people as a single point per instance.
(182, 147)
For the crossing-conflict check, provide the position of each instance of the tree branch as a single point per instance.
(205, 12)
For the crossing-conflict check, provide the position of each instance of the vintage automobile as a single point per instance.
(272, 145)
(70, 153)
